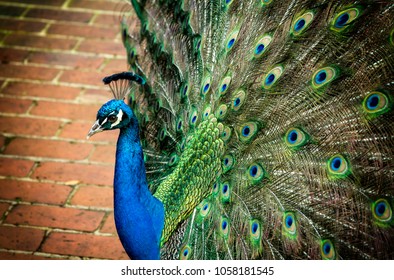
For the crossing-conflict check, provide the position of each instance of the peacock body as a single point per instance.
(263, 129)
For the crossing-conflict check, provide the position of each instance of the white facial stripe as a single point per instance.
(119, 116)
(104, 121)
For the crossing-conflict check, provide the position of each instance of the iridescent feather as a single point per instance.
(267, 126)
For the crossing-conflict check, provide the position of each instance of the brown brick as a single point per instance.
(109, 225)
(79, 130)
(102, 47)
(106, 247)
(28, 72)
(18, 24)
(82, 77)
(115, 65)
(93, 196)
(3, 208)
(40, 2)
(104, 154)
(25, 256)
(70, 60)
(65, 110)
(55, 217)
(28, 126)
(15, 167)
(48, 148)
(84, 31)
(14, 105)
(41, 90)
(8, 55)
(59, 15)
(18, 238)
(41, 42)
(87, 174)
(11, 11)
(113, 6)
(34, 191)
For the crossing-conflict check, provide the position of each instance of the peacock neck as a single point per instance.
(139, 217)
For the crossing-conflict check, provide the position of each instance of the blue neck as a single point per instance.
(139, 217)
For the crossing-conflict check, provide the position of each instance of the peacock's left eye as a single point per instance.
(112, 118)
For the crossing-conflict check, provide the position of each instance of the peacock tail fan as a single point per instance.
(289, 107)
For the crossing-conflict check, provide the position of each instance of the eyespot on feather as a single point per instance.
(272, 77)
(295, 138)
(301, 23)
(238, 100)
(324, 76)
(343, 19)
(327, 250)
(261, 46)
(338, 166)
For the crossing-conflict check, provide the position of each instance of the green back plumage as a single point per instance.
(268, 126)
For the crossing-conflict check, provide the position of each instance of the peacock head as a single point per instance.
(112, 115)
(116, 113)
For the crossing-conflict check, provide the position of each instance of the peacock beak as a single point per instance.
(96, 128)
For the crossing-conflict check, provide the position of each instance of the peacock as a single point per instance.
(254, 129)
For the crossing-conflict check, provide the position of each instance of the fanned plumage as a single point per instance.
(267, 126)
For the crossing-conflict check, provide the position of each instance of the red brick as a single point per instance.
(79, 130)
(41, 90)
(107, 20)
(48, 148)
(55, 217)
(93, 196)
(28, 126)
(8, 55)
(87, 174)
(40, 2)
(82, 77)
(41, 42)
(28, 72)
(18, 24)
(65, 110)
(106, 247)
(25, 256)
(18, 238)
(102, 47)
(14, 105)
(109, 225)
(115, 65)
(34, 191)
(83, 31)
(97, 96)
(2, 141)
(71, 60)
(113, 6)
(62, 15)
(3, 208)
(11, 11)
(104, 154)
(15, 167)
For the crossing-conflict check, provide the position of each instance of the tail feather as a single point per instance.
(303, 92)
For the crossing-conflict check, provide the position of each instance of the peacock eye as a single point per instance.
(112, 118)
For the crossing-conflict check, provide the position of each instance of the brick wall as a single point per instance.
(56, 186)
